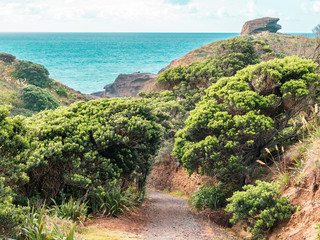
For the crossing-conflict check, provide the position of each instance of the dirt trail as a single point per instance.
(162, 217)
(169, 218)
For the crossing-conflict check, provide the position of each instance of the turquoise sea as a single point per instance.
(88, 61)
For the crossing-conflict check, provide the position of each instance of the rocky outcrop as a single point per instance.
(129, 85)
(266, 24)
(100, 94)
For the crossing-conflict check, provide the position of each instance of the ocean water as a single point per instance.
(88, 61)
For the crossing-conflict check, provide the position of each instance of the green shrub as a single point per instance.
(38, 99)
(63, 234)
(188, 82)
(7, 58)
(111, 200)
(74, 210)
(13, 141)
(35, 74)
(242, 115)
(61, 92)
(213, 197)
(260, 207)
(34, 228)
(267, 48)
(76, 148)
(318, 234)
(11, 216)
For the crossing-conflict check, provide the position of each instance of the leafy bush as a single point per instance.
(13, 141)
(61, 92)
(213, 197)
(189, 82)
(35, 74)
(11, 215)
(111, 200)
(74, 210)
(38, 99)
(7, 58)
(260, 207)
(86, 145)
(242, 115)
(34, 228)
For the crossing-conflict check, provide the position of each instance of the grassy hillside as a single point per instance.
(16, 75)
(287, 45)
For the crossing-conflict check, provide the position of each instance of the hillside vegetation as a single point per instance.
(28, 89)
(222, 117)
(284, 44)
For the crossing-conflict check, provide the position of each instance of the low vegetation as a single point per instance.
(28, 89)
(212, 197)
(260, 207)
(37, 99)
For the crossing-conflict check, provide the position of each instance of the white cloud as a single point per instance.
(316, 6)
(143, 15)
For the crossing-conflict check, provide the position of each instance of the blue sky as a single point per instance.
(153, 15)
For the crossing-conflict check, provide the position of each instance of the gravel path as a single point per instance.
(169, 218)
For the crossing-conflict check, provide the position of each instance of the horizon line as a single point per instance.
(143, 32)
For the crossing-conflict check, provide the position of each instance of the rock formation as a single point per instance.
(128, 85)
(261, 25)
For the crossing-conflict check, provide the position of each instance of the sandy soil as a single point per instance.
(164, 217)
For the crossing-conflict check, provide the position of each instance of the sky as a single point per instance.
(296, 16)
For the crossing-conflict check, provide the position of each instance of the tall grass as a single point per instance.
(112, 200)
(34, 228)
(73, 209)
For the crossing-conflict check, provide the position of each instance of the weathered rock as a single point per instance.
(261, 25)
(128, 85)
(100, 94)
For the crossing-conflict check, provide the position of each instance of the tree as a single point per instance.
(188, 82)
(88, 145)
(243, 114)
(35, 74)
(38, 99)
(7, 58)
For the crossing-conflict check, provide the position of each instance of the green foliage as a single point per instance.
(13, 141)
(260, 207)
(241, 115)
(73, 209)
(7, 58)
(11, 215)
(87, 145)
(61, 92)
(34, 228)
(213, 197)
(63, 234)
(111, 200)
(318, 234)
(35, 74)
(189, 82)
(38, 99)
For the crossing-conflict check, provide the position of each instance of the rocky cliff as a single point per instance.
(129, 85)
(261, 25)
